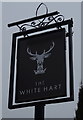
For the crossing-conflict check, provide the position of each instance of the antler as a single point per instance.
(29, 52)
(50, 48)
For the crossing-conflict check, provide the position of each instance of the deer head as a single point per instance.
(40, 59)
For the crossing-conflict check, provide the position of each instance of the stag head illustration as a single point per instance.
(40, 59)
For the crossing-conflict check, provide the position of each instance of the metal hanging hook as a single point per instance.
(42, 4)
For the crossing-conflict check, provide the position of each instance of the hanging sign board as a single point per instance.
(38, 69)
(41, 67)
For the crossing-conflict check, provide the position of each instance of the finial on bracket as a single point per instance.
(42, 4)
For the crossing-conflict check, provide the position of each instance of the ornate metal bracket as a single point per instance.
(42, 21)
(39, 21)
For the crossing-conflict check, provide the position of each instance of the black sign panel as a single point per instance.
(41, 67)
(39, 72)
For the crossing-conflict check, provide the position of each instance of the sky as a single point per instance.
(11, 12)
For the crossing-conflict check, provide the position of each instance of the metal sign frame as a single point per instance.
(15, 35)
(41, 26)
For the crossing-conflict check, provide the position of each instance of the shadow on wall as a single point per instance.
(79, 111)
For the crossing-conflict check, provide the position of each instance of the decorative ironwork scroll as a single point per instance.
(42, 21)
